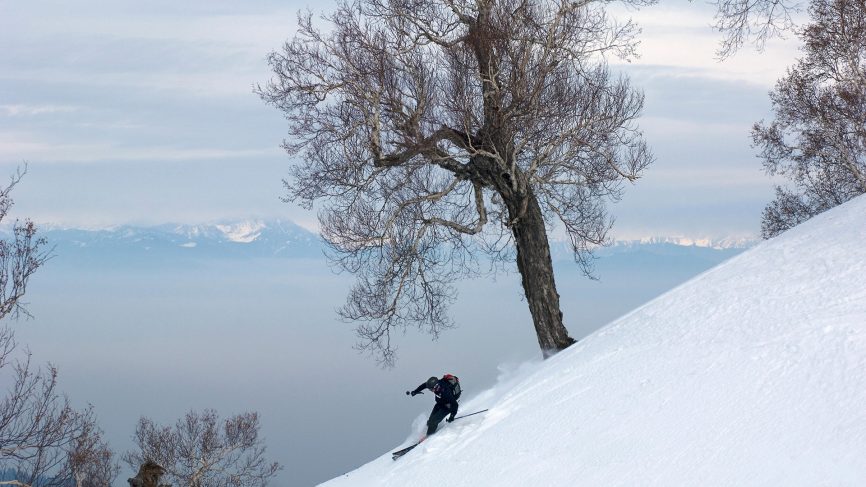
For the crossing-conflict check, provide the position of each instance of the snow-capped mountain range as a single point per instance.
(283, 239)
(253, 238)
(704, 242)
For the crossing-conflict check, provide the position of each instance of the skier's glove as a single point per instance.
(450, 419)
(413, 393)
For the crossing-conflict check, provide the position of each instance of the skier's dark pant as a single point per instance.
(440, 411)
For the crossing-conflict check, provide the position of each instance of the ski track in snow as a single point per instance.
(751, 374)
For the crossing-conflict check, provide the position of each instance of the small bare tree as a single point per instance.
(755, 21)
(432, 129)
(817, 139)
(42, 437)
(40, 433)
(20, 256)
(202, 451)
(90, 461)
(37, 424)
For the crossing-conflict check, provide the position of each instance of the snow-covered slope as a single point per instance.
(751, 374)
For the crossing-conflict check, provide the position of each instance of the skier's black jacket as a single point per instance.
(444, 395)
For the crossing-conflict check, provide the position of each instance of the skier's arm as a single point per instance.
(420, 388)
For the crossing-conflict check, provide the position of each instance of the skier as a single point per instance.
(447, 391)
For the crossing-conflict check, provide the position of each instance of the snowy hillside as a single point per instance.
(751, 374)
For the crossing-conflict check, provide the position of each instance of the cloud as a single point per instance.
(31, 110)
(18, 146)
(201, 54)
(683, 37)
(682, 127)
(719, 177)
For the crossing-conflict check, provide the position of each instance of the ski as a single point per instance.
(399, 453)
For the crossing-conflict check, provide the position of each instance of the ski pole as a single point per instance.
(472, 414)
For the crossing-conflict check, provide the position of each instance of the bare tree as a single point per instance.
(755, 21)
(42, 437)
(20, 256)
(37, 425)
(432, 129)
(202, 451)
(817, 139)
(90, 461)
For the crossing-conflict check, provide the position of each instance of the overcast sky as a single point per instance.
(143, 112)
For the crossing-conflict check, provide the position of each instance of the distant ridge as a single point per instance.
(286, 239)
(248, 238)
(712, 243)
(250, 230)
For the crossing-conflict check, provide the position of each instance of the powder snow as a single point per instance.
(751, 374)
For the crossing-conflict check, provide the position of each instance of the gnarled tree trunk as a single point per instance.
(536, 271)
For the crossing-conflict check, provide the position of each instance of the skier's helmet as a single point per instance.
(432, 382)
